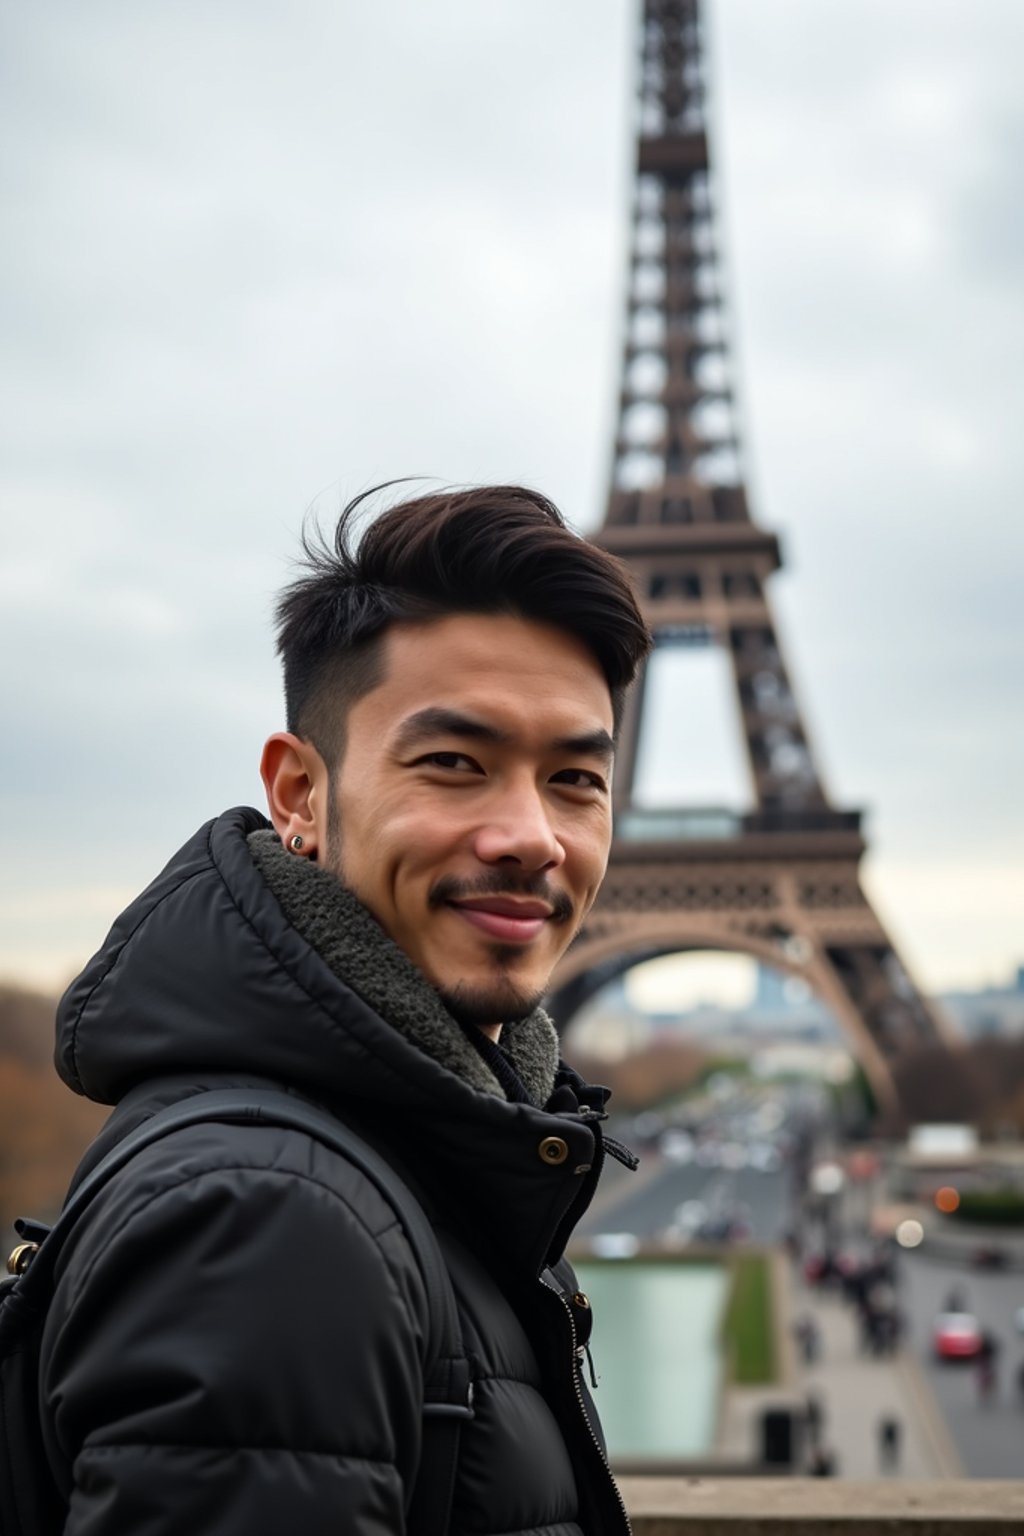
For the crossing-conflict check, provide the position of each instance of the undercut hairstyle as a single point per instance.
(492, 549)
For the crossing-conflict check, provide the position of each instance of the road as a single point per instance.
(990, 1437)
(761, 1196)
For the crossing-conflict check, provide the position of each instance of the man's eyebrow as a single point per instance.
(590, 744)
(438, 721)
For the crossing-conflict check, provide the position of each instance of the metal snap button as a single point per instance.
(553, 1150)
(21, 1257)
(582, 1300)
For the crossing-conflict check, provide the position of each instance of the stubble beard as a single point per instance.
(497, 1002)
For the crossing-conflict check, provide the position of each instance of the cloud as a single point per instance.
(251, 253)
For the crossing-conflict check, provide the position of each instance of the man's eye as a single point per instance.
(580, 778)
(457, 761)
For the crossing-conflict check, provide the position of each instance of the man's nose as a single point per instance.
(518, 826)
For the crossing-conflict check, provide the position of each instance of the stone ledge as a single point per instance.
(672, 1506)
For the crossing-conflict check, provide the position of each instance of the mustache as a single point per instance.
(451, 888)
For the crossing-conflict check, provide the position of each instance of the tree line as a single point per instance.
(44, 1127)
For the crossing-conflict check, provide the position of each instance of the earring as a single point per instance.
(297, 843)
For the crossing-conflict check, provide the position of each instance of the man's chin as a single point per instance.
(489, 1003)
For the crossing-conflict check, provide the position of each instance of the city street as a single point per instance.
(762, 1198)
(989, 1436)
(669, 1199)
(720, 1175)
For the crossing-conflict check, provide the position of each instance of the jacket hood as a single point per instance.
(206, 975)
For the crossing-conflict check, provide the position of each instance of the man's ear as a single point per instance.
(297, 784)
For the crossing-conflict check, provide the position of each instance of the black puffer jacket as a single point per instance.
(238, 1337)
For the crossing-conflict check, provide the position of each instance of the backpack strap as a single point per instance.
(448, 1388)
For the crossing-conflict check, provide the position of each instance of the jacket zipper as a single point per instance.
(576, 1353)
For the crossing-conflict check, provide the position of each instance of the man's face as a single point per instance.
(473, 804)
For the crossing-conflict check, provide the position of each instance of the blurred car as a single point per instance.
(990, 1256)
(676, 1146)
(723, 1229)
(690, 1215)
(765, 1157)
(957, 1336)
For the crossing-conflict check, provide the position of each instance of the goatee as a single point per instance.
(484, 1006)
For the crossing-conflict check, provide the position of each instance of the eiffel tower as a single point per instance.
(779, 883)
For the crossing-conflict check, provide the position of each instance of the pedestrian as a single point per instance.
(887, 1261)
(886, 1324)
(822, 1462)
(890, 1433)
(808, 1337)
(869, 1330)
(814, 1418)
(986, 1362)
(238, 1339)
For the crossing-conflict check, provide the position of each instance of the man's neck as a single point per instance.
(492, 1031)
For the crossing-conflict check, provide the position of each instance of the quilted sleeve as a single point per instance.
(238, 1350)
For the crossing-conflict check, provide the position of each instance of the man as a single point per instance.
(238, 1338)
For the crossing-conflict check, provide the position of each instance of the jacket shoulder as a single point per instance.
(220, 1289)
(277, 1182)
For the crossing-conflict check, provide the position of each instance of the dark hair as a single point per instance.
(492, 549)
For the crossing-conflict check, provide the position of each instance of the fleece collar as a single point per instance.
(355, 947)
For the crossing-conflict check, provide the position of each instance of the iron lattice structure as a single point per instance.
(779, 883)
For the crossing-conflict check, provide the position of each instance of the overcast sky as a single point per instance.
(258, 257)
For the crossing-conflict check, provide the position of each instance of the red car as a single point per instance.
(957, 1336)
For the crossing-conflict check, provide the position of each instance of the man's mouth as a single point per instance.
(508, 919)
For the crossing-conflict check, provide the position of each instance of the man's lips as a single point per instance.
(503, 917)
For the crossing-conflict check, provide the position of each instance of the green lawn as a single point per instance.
(749, 1329)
